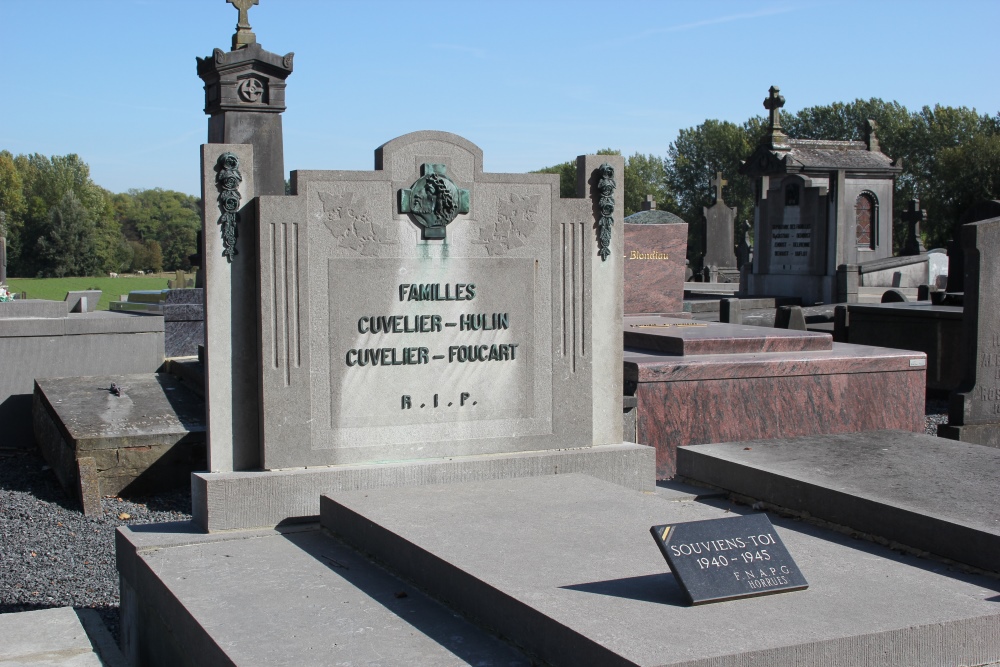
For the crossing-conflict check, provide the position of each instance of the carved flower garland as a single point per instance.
(228, 181)
(606, 190)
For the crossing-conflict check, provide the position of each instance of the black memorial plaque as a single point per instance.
(726, 559)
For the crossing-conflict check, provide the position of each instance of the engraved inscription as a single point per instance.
(990, 359)
(423, 329)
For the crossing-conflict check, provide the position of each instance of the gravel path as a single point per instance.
(53, 556)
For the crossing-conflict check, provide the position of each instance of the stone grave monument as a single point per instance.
(720, 255)
(439, 360)
(913, 216)
(819, 205)
(654, 251)
(982, 210)
(974, 412)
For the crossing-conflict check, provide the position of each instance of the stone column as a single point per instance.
(244, 98)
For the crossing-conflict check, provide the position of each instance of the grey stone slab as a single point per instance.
(230, 501)
(314, 601)
(566, 568)
(75, 301)
(45, 638)
(148, 438)
(151, 407)
(32, 308)
(928, 493)
(29, 357)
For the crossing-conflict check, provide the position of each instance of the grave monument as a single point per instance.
(439, 361)
(819, 205)
(720, 257)
(654, 251)
(974, 412)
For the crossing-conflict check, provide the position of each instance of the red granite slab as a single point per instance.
(654, 268)
(726, 398)
(665, 334)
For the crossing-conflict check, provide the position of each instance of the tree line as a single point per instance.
(950, 159)
(58, 222)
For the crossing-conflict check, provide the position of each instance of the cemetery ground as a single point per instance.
(54, 289)
(51, 555)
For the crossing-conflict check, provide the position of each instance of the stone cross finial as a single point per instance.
(649, 204)
(717, 183)
(870, 138)
(773, 103)
(243, 35)
(913, 216)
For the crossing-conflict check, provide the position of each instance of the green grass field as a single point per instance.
(54, 289)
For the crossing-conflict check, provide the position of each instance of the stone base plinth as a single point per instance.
(241, 500)
(978, 434)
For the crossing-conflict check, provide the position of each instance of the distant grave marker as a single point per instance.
(727, 559)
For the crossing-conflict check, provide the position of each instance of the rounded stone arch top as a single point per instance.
(403, 156)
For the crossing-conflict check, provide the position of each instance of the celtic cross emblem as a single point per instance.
(251, 90)
(434, 200)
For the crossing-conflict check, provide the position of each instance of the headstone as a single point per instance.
(841, 322)
(729, 311)
(974, 412)
(744, 249)
(728, 559)
(719, 230)
(790, 317)
(425, 310)
(983, 210)
(654, 267)
(913, 216)
(893, 296)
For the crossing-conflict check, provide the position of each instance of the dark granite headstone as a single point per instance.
(913, 216)
(790, 317)
(983, 210)
(719, 224)
(730, 312)
(893, 296)
(744, 249)
(726, 559)
(974, 413)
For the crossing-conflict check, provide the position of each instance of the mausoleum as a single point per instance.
(820, 206)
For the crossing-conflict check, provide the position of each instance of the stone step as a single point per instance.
(928, 493)
(565, 568)
(292, 596)
(57, 637)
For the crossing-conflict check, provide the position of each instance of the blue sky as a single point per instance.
(531, 83)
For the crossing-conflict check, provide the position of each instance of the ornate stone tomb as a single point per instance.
(427, 309)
